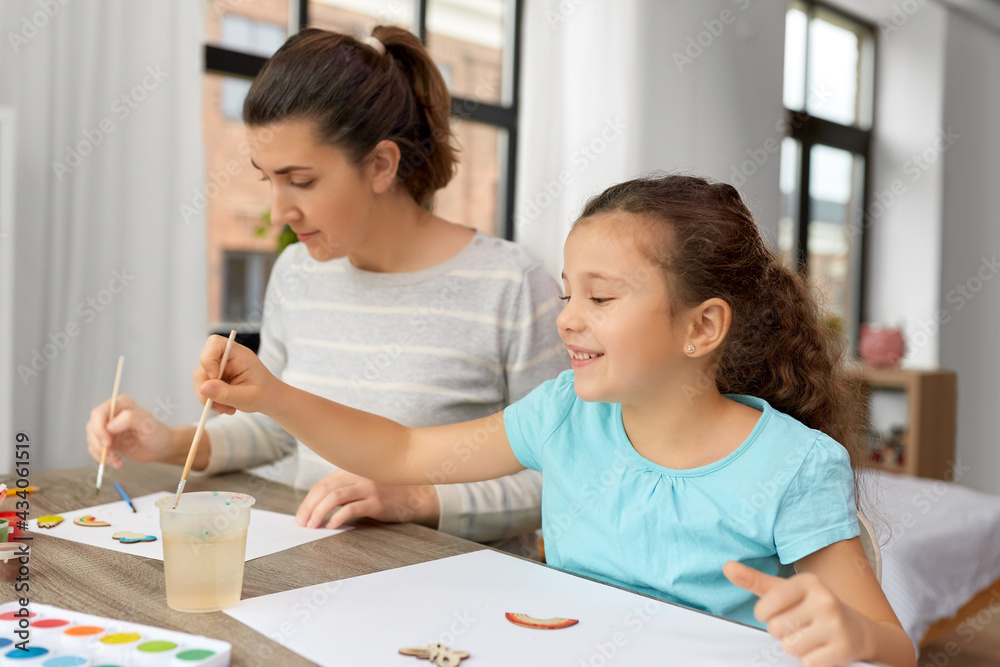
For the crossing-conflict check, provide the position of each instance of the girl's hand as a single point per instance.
(811, 622)
(245, 384)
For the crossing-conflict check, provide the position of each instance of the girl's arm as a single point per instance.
(357, 441)
(832, 612)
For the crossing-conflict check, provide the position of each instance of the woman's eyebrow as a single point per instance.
(283, 170)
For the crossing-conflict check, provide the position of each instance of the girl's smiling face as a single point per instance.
(617, 325)
(315, 188)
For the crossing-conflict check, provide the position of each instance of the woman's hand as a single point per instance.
(811, 622)
(133, 432)
(245, 385)
(360, 497)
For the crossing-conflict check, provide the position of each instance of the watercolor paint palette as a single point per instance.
(64, 638)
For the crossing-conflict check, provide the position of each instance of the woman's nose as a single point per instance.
(283, 209)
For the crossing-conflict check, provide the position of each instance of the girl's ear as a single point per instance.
(384, 165)
(709, 324)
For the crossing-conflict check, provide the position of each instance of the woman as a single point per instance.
(382, 305)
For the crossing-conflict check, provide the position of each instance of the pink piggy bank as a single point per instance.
(881, 347)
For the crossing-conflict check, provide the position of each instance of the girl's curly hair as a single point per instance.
(778, 347)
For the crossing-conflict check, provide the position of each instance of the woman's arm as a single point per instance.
(357, 441)
(832, 612)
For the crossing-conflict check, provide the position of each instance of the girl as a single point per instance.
(382, 305)
(694, 441)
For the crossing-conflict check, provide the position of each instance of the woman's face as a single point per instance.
(315, 189)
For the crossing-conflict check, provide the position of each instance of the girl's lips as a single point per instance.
(580, 363)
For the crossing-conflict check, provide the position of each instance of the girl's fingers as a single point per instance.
(797, 632)
(780, 599)
(750, 579)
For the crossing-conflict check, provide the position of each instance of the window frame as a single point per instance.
(808, 131)
(220, 60)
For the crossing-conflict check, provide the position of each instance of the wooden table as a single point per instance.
(127, 587)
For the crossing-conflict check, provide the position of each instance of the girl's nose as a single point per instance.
(568, 319)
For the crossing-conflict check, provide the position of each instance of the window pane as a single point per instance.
(834, 64)
(232, 93)
(795, 59)
(251, 27)
(835, 185)
(466, 40)
(358, 17)
(788, 224)
(234, 199)
(472, 197)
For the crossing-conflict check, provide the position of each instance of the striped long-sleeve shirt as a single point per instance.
(458, 341)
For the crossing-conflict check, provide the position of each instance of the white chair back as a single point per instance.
(869, 541)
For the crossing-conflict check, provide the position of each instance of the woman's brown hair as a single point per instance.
(778, 347)
(358, 96)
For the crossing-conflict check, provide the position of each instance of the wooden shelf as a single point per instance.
(931, 397)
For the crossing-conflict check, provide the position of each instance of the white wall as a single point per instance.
(970, 284)
(931, 252)
(606, 99)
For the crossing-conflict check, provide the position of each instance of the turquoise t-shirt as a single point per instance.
(611, 514)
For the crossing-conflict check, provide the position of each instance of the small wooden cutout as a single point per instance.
(128, 537)
(91, 521)
(49, 521)
(437, 653)
(526, 621)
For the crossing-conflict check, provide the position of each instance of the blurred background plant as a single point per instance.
(285, 238)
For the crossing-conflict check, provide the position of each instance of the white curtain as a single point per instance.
(109, 147)
(612, 90)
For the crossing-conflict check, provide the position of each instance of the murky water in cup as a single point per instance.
(204, 549)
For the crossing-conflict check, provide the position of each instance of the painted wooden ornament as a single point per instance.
(437, 653)
(128, 537)
(526, 621)
(91, 521)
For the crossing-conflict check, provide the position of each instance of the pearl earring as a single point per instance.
(690, 348)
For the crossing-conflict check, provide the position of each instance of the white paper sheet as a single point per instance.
(461, 601)
(269, 532)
